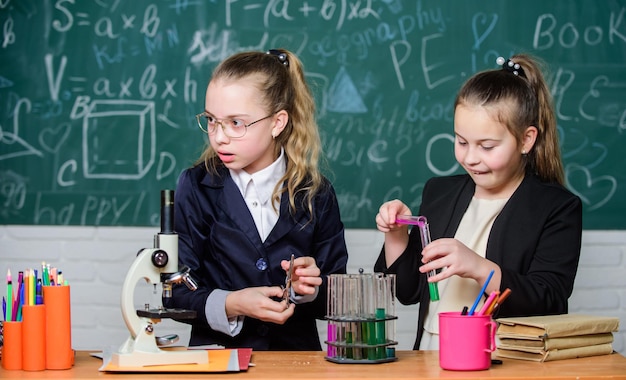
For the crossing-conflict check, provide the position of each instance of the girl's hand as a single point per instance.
(453, 255)
(396, 235)
(387, 214)
(258, 303)
(306, 275)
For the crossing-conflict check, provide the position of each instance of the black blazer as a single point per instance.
(535, 240)
(219, 241)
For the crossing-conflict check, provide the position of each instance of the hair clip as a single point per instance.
(511, 66)
(282, 57)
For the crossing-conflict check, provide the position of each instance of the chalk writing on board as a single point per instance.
(97, 99)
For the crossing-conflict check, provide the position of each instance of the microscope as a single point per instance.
(155, 265)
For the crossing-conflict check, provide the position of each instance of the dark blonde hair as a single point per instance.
(283, 85)
(520, 101)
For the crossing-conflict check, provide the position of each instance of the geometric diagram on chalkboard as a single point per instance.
(343, 96)
(4, 82)
(11, 144)
(118, 139)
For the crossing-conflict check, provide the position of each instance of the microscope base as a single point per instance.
(143, 351)
(164, 357)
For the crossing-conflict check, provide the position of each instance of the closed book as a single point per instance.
(551, 355)
(554, 326)
(541, 344)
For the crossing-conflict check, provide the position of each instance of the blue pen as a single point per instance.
(38, 293)
(480, 295)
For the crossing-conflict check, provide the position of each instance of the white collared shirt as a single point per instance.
(257, 190)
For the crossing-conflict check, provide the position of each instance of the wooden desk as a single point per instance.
(312, 365)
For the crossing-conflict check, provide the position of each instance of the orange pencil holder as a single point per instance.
(34, 337)
(12, 347)
(58, 344)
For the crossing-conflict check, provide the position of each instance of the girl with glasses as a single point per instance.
(254, 198)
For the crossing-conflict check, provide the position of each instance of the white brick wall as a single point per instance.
(95, 261)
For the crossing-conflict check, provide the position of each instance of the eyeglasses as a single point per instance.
(233, 128)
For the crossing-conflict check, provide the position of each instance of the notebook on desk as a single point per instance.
(554, 326)
(220, 360)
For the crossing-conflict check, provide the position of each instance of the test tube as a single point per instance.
(340, 326)
(390, 310)
(368, 307)
(422, 224)
(352, 300)
(381, 295)
(331, 310)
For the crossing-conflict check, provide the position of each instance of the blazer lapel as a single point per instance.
(286, 221)
(450, 209)
(235, 207)
(232, 204)
(466, 192)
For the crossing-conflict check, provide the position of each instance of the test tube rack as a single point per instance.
(361, 318)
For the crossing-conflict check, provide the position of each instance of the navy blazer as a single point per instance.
(219, 241)
(535, 240)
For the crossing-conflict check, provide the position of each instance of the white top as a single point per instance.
(456, 292)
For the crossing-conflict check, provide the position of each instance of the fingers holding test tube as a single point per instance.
(422, 223)
(388, 214)
(457, 259)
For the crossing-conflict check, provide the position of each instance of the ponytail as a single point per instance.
(279, 76)
(520, 97)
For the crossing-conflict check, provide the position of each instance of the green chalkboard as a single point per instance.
(97, 98)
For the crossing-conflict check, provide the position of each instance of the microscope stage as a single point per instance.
(167, 313)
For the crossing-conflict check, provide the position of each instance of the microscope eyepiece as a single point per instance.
(167, 211)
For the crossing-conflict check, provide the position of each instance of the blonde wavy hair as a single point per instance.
(282, 82)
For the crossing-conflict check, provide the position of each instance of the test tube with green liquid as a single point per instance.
(367, 312)
(380, 295)
(422, 224)
(390, 309)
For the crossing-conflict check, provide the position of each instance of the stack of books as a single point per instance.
(555, 337)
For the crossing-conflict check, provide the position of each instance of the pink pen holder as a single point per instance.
(466, 342)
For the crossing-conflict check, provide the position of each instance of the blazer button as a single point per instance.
(261, 264)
